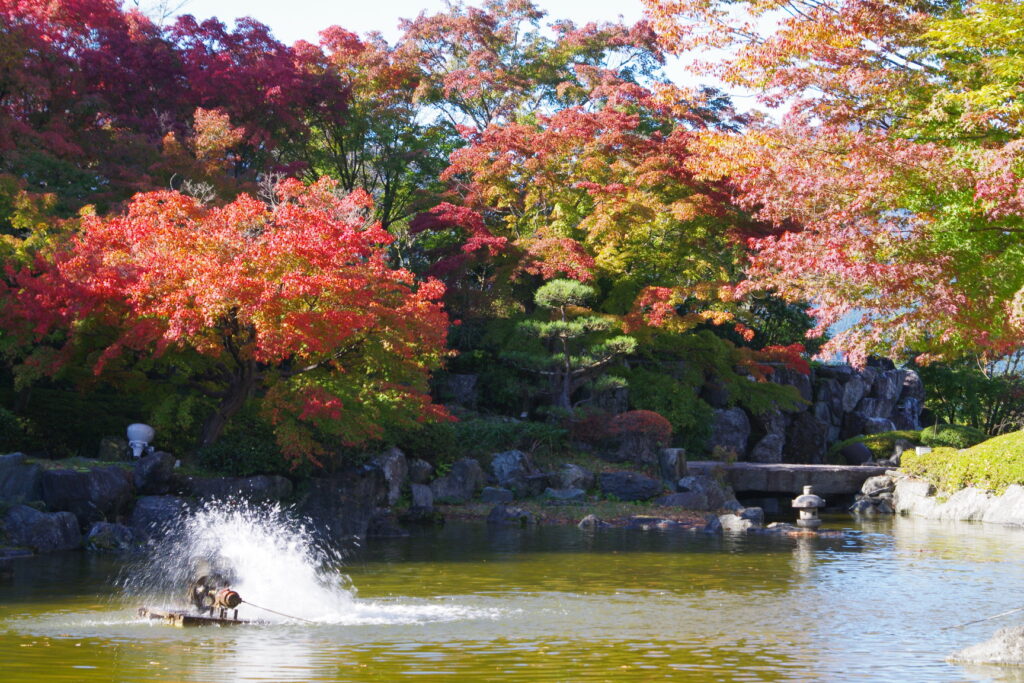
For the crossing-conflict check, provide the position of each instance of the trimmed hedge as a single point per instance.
(993, 464)
(951, 436)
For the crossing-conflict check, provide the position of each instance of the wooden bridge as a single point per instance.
(786, 478)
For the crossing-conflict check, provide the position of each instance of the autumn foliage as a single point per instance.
(295, 299)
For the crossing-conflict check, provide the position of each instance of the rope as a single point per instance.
(978, 621)
(288, 616)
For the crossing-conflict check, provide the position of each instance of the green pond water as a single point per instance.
(470, 603)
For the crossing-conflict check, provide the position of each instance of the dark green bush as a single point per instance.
(480, 437)
(951, 436)
(434, 442)
(247, 448)
(12, 432)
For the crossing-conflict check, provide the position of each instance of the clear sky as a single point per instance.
(292, 20)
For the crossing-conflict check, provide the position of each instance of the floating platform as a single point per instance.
(185, 620)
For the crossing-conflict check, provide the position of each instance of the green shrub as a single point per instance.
(951, 436)
(12, 432)
(434, 442)
(247, 447)
(881, 445)
(476, 438)
(993, 464)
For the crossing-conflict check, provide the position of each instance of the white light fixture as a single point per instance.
(139, 436)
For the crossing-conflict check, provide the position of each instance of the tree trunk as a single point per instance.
(241, 388)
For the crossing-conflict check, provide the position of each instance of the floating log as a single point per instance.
(185, 620)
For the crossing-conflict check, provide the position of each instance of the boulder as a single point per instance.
(92, 496)
(20, 481)
(462, 388)
(629, 486)
(874, 486)
(648, 523)
(44, 532)
(853, 391)
(712, 491)
(841, 372)
(672, 464)
(793, 378)
(496, 495)
(733, 523)
(830, 392)
(502, 515)
(396, 472)
(715, 393)
(422, 496)
(420, 471)
(574, 477)
(907, 413)
(712, 525)
(913, 387)
(591, 522)
(768, 449)
(108, 537)
(565, 495)
(511, 469)
(806, 439)
(878, 425)
(153, 474)
(259, 489)
(1005, 648)
(730, 429)
(770, 422)
(341, 506)
(875, 407)
(853, 425)
(754, 514)
(888, 385)
(689, 500)
(461, 484)
(154, 516)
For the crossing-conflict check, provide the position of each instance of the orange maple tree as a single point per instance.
(292, 303)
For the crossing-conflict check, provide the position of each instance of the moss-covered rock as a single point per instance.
(881, 445)
(993, 464)
(951, 436)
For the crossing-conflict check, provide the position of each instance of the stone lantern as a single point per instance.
(808, 504)
(139, 437)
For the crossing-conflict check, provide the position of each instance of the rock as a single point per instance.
(511, 469)
(384, 524)
(20, 482)
(566, 495)
(420, 471)
(732, 506)
(783, 528)
(853, 425)
(502, 515)
(712, 491)
(875, 407)
(342, 505)
(153, 474)
(713, 525)
(874, 486)
(823, 412)
(753, 514)
(888, 385)
(461, 484)
(768, 449)
(591, 522)
(806, 439)
(1005, 648)
(853, 391)
(113, 449)
(44, 532)
(840, 372)
(648, 523)
(715, 393)
(629, 486)
(422, 496)
(907, 413)
(830, 393)
(154, 516)
(575, 477)
(770, 422)
(672, 464)
(463, 389)
(735, 524)
(534, 485)
(690, 500)
(878, 425)
(913, 387)
(730, 429)
(496, 495)
(258, 489)
(396, 472)
(92, 496)
(109, 537)
(794, 378)
(864, 506)
(856, 453)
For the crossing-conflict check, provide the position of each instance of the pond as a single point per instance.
(553, 603)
